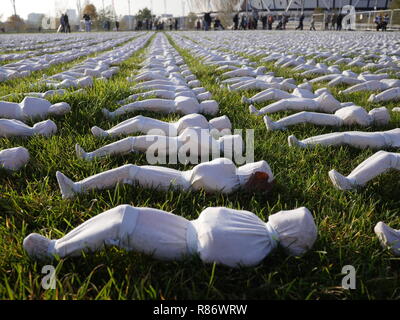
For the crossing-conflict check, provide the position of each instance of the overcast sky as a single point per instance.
(24, 7)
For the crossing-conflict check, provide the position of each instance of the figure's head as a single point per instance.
(296, 230)
(221, 123)
(209, 107)
(380, 116)
(256, 176)
(60, 108)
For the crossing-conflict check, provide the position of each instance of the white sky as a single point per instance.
(24, 7)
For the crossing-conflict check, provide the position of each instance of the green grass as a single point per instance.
(30, 201)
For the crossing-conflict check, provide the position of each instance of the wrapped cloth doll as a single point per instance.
(196, 141)
(324, 103)
(32, 108)
(388, 237)
(16, 128)
(225, 236)
(373, 85)
(377, 164)
(13, 158)
(168, 94)
(181, 105)
(140, 124)
(356, 139)
(218, 175)
(343, 117)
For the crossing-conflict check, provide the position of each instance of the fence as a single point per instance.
(360, 20)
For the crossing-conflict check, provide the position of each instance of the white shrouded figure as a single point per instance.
(13, 158)
(218, 175)
(196, 141)
(32, 108)
(324, 103)
(16, 128)
(388, 237)
(181, 105)
(244, 72)
(346, 116)
(167, 94)
(277, 94)
(392, 94)
(373, 85)
(225, 236)
(356, 139)
(217, 126)
(377, 164)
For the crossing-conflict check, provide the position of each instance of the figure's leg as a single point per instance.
(14, 128)
(388, 237)
(355, 139)
(295, 104)
(135, 125)
(156, 105)
(123, 146)
(303, 117)
(145, 230)
(375, 165)
(392, 94)
(103, 180)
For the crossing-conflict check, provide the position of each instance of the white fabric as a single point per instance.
(388, 237)
(225, 236)
(357, 139)
(198, 142)
(218, 175)
(181, 105)
(16, 128)
(32, 107)
(221, 125)
(325, 103)
(370, 168)
(14, 158)
(352, 115)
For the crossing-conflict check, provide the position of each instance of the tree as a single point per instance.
(90, 10)
(15, 23)
(144, 14)
(13, 4)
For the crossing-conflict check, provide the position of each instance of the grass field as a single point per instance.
(30, 201)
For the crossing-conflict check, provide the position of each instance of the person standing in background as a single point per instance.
(236, 21)
(66, 24)
(88, 22)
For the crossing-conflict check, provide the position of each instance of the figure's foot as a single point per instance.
(37, 246)
(107, 113)
(67, 186)
(271, 125)
(371, 98)
(80, 153)
(294, 142)
(340, 181)
(98, 132)
(254, 110)
(388, 237)
(246, 100)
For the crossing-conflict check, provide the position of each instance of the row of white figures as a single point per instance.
(82, 74)
(238, 73)
(24, 67)
(364, 81)
(179, 89)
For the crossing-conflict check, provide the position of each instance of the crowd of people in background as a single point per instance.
(241, 21)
